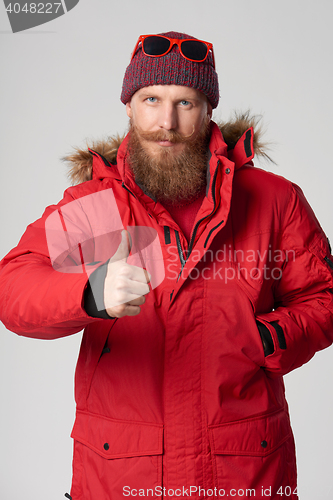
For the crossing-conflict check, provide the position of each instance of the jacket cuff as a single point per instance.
(266, 338)
(93, 298)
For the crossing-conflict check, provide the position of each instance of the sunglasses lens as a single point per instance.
(155, 45)
(195, 50)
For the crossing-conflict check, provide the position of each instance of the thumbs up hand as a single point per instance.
(125, 285)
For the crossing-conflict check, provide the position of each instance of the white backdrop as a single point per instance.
(60, 84)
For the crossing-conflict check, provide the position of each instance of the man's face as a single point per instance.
(169, 140)
(166, 109)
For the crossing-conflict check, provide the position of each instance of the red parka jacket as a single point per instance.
(181, 401)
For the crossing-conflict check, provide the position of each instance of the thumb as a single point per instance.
(124, 248)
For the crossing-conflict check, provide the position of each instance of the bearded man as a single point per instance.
(200, 281)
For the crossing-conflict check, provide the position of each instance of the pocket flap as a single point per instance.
(257, 436)
(117, 438)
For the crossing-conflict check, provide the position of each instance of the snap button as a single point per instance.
(264, 444)
(106, 446)
(227, 170)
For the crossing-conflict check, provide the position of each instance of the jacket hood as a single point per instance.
(81, 160)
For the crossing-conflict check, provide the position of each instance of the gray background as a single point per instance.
(60, 84)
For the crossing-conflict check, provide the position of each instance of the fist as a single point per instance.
(125, 285)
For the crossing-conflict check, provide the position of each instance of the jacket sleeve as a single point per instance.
(302, 320)
(36, 299)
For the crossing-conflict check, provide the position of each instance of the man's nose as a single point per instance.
(168, 117)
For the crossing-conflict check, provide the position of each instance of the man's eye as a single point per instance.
(151, 99)
(184, 103)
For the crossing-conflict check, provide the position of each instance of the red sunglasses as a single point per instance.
(159, 45)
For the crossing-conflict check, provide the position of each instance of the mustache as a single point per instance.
(165, 135)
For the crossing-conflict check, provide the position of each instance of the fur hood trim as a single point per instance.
(81, 160)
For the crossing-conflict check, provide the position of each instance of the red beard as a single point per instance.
(170, 176)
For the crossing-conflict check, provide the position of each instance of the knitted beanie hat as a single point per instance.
(172, 68)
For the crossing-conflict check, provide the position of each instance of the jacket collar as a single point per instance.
(242, 135)
(222, 164)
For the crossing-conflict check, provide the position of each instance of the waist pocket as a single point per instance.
(115, 456)
(255, 454)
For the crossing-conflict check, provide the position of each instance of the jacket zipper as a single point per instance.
(180, 253)
(125, 187)
(209, 215)
(211, 231)
(179, 247)
(329, 262)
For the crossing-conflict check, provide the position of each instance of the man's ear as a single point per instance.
(209, 110)
(129, 109)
